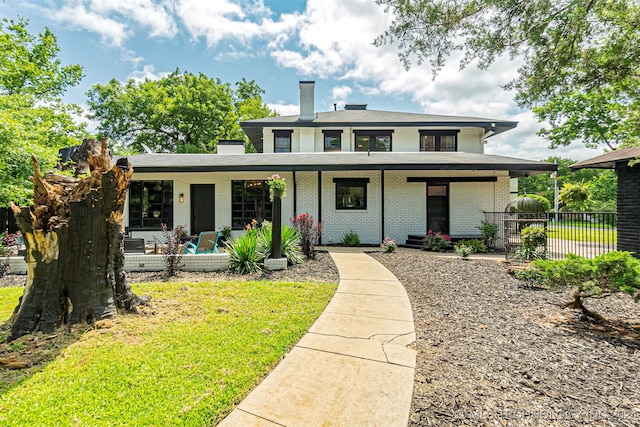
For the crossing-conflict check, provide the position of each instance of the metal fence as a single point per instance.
(583, 233)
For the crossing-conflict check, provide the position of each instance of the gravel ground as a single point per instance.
(492, 352)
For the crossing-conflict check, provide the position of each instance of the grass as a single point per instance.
(605, 235)
(197, 353)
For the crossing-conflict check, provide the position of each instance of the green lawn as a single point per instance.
(579, 234)
(199, 351)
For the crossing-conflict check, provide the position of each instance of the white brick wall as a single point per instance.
(200, 262)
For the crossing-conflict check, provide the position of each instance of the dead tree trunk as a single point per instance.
(74, 240)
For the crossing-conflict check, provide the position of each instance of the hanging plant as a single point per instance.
(276, 181)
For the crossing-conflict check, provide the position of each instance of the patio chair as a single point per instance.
(207, 243)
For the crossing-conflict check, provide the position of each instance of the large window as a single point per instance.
(351, 193)
(332, 140)
(249, 201)
(373, 140)
(438, 140)
(282, 141)
(150, 204)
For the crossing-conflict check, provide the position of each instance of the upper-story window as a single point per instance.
(431, 140)
(282, 141)
(373, 140)
(332, 140)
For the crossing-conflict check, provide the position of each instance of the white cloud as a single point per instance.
(114, 21)
(148, 72)
(285, 109)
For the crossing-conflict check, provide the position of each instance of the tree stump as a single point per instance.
(74, 248)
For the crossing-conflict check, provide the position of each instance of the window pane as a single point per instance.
(383, 143)
(427, 143)
(250, 201)
(150, 204)
(351, 196)
(362, 143)
(331, 142)
(283, 144)
(448, 143)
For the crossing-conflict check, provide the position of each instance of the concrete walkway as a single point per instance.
(354, 367)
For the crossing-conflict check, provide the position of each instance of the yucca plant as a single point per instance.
(243, 254)
(290, 242)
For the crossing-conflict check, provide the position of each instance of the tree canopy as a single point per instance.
(33, 120)
(181, 112)
(580, 58)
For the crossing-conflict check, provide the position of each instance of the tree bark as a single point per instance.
(74, 248)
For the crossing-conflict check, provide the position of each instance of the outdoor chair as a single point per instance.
(207, 243)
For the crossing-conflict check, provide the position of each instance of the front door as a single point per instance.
(438, 207)
(202, 208)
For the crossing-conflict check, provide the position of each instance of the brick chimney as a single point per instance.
(307, 110)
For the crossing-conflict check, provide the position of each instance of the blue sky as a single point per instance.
(278, 43)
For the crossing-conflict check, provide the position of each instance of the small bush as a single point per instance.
(172, 254)
(478, 246)
(436, 241)
(489, 231)
(290, 242)
(225, 234)
(244, 256)
(389, 245)
(309, 233)
(463, 250)
(351, 239)
(616, 271)
(534, 243)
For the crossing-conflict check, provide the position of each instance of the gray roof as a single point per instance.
(337, 162)
(608, 160)
(370, 118)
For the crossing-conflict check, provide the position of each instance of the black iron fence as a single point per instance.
(583, 233)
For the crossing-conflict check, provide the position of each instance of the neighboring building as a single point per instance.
(628, 195)
(377, 173)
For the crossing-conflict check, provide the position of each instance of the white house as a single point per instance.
(376, 173)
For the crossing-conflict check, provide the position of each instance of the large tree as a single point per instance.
(33, 120)
(181, 112)
(580, 58)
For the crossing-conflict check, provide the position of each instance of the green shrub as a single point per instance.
(478, 246)
(389, 245)
(489, 231)
(436, 241)
(534, 244)
(616, 271)
(244, 256)
(463, 250)
(290, 242)
(351, 239)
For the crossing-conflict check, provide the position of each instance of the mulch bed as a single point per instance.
(492, 351)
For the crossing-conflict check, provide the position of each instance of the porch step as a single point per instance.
(414, 241)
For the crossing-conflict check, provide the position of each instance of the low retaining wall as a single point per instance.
(135, 262)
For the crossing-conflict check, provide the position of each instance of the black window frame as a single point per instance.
(149, 211)
(372, 135)
(280, 133)
(332, 134)
(438, 134)
(344, 183)
(242, 212)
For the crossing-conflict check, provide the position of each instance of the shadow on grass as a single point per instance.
(20, 359)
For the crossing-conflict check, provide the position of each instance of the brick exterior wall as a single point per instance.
(628, 208)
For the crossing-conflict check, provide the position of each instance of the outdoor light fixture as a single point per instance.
(181, 198)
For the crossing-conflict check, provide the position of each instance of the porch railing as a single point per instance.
(583, 233)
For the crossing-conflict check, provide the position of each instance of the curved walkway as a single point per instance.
(354, 367)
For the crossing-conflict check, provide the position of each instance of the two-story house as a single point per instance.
(376, 173)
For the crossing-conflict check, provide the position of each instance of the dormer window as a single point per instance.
(373, 140)
(443, 140)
